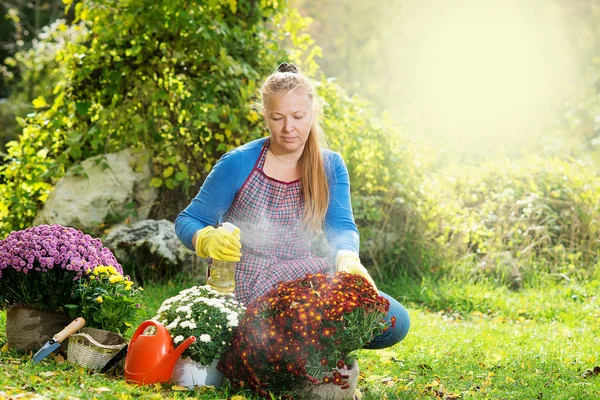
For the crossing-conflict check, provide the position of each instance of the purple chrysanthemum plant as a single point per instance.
(40, 266)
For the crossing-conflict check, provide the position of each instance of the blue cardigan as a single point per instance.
(229, 174)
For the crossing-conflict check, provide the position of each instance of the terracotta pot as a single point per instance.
(29, 328)
(329, 391)
(190, 373)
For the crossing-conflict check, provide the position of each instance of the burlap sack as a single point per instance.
(29, 328)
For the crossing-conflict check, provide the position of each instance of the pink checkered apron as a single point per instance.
(275, 247)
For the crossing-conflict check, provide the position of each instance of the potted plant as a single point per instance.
(299, 336)
(209, 316)
(109, 302)
(39, 269)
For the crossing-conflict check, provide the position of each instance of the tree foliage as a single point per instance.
(23, 21)
(174, 77)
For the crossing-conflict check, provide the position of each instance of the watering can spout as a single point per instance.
(174, 356)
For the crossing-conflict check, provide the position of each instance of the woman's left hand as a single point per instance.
(347, 261)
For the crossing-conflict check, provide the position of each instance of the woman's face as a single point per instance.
(289, 118)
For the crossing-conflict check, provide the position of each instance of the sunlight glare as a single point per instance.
(486, 73)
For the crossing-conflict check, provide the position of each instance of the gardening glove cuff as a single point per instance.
(348, 261)
(219, 244)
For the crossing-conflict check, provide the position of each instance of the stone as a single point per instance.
(152, 246)
(102, 189)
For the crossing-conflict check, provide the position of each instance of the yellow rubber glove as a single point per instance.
(348, 261)
(219, 244)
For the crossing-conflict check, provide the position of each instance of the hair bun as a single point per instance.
(288, 67)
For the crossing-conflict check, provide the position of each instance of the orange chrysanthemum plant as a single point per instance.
(303, 331)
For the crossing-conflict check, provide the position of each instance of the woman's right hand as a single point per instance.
(219, 244)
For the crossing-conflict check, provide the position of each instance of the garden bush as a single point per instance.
(174, 77)
(512, 220)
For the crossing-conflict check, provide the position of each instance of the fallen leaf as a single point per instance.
(5, 348)
(238, 398)
(204, 389)
(48, 374)
(434, 383)
(591, 372)
(101, 389)
(59, 359)
(180, 388)
(28, 396)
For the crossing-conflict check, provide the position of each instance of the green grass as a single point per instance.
(466, 341)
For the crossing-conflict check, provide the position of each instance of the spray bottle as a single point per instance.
(222, 273)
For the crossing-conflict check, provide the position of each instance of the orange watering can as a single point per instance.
(151, 358)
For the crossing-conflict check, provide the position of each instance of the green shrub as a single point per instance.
(511, 220)
(174, 77)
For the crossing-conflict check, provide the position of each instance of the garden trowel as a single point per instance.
(56, 341)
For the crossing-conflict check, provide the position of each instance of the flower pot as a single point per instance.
(93, 348)
(330, 391)
(29, 328)
(189, 373)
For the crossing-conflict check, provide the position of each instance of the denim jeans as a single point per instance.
(398, 332)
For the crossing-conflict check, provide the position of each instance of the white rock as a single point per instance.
(100, 187)
(150, 242)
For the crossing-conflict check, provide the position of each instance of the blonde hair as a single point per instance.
(313, 178)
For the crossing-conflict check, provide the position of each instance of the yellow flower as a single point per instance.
(113, 270)
(99, 299)
(115, 278)
(128, 285)
(101, 269)
(96, 272)
(89, 270)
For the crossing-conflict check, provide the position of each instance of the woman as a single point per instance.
(279, 191)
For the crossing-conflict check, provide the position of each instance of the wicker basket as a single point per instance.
(93, 348)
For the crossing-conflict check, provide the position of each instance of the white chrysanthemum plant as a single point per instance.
(205, 313)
